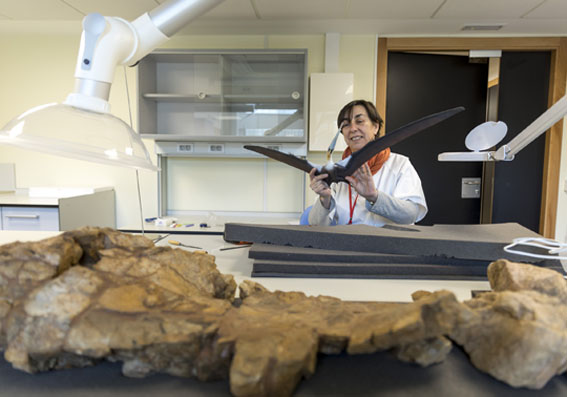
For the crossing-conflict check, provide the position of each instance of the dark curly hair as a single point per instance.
(346, 113)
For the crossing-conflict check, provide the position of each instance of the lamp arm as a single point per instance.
(537, 127)
(107, 42)
(528, 135)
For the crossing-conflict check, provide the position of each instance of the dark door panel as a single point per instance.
(524, 86)
(420, 84)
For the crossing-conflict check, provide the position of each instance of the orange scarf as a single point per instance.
(375, 162)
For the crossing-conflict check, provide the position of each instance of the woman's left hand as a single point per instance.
(362, 181)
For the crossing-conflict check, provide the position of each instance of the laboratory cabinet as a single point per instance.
(19, 211)
(30, 218)
(212, 102)
(201, 107)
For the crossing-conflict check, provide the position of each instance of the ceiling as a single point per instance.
(382, 17)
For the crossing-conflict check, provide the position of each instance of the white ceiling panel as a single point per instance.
(551, 9)
(396, 9)
(232, 9)
(302, 9)
(37, 10)
(486, 9)
(127, 9)
(383, 17)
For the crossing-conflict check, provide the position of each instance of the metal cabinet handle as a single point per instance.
(23, 216)
(471, 183)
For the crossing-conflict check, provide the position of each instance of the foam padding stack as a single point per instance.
(460, 252)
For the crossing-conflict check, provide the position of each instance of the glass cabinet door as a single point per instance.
(248, 96)
(263, 95)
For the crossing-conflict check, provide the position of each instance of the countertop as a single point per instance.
(214, 224)
(237, 263)
(27, 197)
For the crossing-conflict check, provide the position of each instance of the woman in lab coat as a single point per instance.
(385, 190)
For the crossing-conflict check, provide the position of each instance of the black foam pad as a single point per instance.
(477, 242)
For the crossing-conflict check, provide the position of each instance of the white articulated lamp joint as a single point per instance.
(148, 37)
(106, 42)
(83, 127)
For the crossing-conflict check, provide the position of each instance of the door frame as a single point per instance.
(557, 87)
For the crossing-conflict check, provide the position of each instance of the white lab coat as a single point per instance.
(397, 183)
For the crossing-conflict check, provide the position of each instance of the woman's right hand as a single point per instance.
(319, 186)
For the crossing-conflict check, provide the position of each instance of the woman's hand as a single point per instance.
(363, 183)
(319, 186)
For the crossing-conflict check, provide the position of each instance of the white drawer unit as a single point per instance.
(30, 218)
(47, 212)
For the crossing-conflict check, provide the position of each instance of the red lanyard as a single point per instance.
(350, 204)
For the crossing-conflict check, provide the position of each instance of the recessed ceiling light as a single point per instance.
(482, 27)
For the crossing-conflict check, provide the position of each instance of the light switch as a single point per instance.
(470, 188)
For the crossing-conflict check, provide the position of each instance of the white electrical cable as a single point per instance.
(137, 172)
(554, 249)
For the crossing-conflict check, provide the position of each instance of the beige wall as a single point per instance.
(38, 69)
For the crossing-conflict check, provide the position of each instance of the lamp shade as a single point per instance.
(69, 131)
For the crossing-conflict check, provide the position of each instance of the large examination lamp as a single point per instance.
(489, 134)
(82, 127)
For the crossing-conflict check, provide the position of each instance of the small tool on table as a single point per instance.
(159, 238)
(240, 244)
(175, 242)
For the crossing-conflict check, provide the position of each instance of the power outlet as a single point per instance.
(565, 186)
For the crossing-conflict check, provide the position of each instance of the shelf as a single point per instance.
(182, 98)
(227, 98)
(223, 96)
(268, 98)
(221, 138)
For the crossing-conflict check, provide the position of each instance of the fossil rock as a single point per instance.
(23, 267)
(97, 294)
(158, 309)
(510, 276)
(519, 335)
(147, 306)
(425, 352)
(276, 335)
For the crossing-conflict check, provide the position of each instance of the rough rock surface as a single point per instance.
(425, 352)
(134, 302)
(157, 309)
(276, 335)
(518, 335)
(26, 266)
(510, 276)
(97, 294)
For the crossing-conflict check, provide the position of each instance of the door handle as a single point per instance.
(23, 216)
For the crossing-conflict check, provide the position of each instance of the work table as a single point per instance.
(213, 224)
(237, 263)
